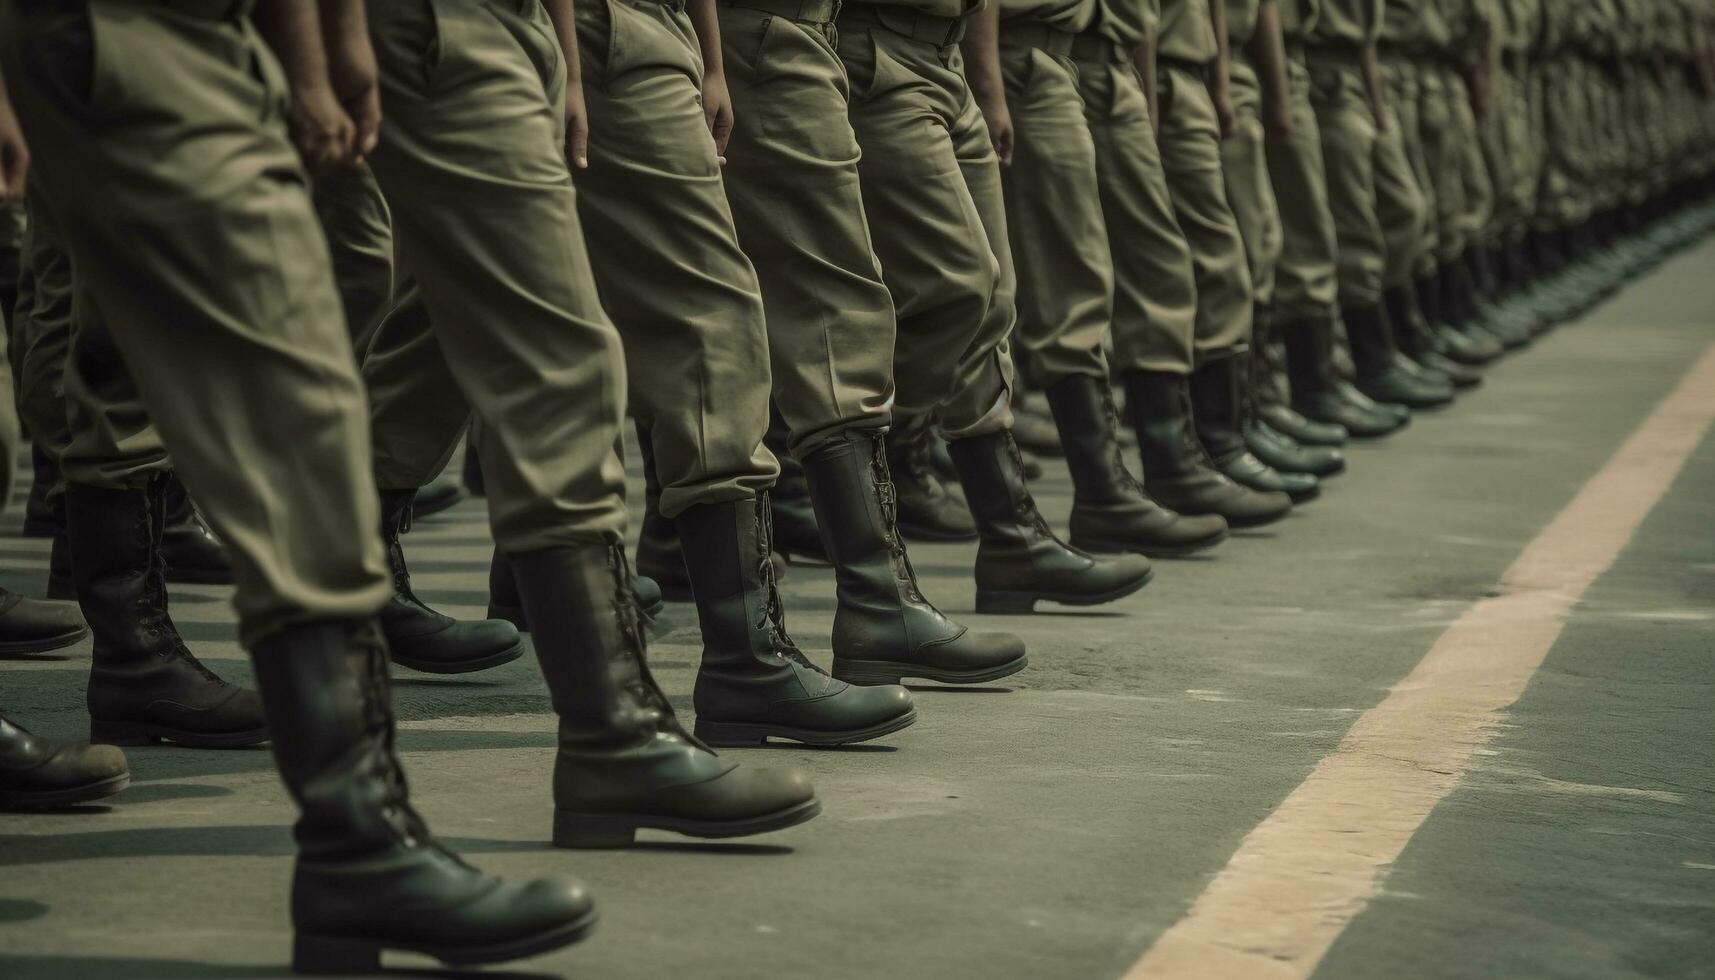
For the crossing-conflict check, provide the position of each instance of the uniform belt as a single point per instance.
(807, 11)
(1035, 34)
(942, 32)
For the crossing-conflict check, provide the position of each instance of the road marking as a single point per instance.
(1306, 871)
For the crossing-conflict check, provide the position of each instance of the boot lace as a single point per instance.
(1122, 472)
(772, 616)
(375, 683)
(888, 499)
(1023, 504)
(643, 688)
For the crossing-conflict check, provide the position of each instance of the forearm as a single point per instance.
(1267, 52)
(566, 29)
(981, 48)
(707, 23)
(293, 29)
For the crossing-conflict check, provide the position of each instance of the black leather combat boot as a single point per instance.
(369, 876)
(1417, 341)
(1382, 371)
(1177, 470)
(795, 533)
(144, 684)
(1319, 394)
(1111, 512)
(36, 626)
(1219, 415)
(37, 772)
(1019, 560)
(885, 629)
(1265, 384)
(754, 683)
(191, 552)
(421, 638)
(624, 761)
(928, 509)
(658, 553)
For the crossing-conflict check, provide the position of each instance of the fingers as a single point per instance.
(578, 142)
(366, 119)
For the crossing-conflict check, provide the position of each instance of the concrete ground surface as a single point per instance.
(1058, 826)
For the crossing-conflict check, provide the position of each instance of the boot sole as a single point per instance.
(1239, 523)
(869, 673)
(132, 734)
(505, 656)
(607, 830)
(736, 735)
(70, 796)
(326, 955)
(1000, 602)
(45, 643)
(1150, 550)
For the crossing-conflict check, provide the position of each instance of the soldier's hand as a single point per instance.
(324, 134)
(14, 152)
(356, 82)
(717, 107)
(577, 125)
(999, 119)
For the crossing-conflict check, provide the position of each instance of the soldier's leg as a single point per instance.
(1054, 214)
(233, 335)
(416, 416)
(931, 185)
(1347, 127)
(1155, 301)
(1191, 156)
(1250, 192)
(792, 180)
(698, 353)
(1306, 287)
(472, 159)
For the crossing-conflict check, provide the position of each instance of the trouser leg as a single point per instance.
(792, 181)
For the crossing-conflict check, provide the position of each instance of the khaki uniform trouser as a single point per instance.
(1513, 155)
(496, 299)
(1377, 208)
(1568, 176)
(1155, 286)
(672, 275)
(1244, 164)
(227, 325)
(792, 180)
(1054, 217)
(1306, 285)
(41, 334)
(1404, 91)
(1450, 139)
(1191, 156)
(932, 188)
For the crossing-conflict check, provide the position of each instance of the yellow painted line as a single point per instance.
(1306, 871)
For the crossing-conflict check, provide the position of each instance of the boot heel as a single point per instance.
(997, 603)
(866, 673)
(121, 733)
(582, 830)
(727, 735)
(327, 955)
